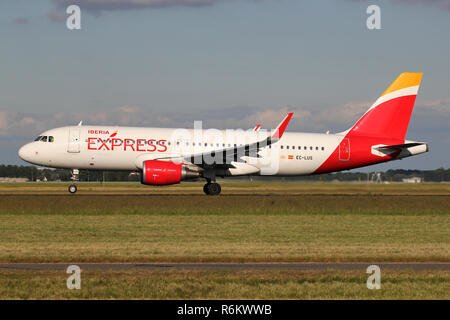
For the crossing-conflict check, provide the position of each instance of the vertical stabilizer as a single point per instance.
(389, 116)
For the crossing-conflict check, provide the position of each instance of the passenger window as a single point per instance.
(299, 148)
(287, 147)
(317, 148)
(281, 147)
(323, 148)
(310, 148)
(51, 139)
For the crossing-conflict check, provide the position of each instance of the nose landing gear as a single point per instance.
(72, 188)
(75, 177)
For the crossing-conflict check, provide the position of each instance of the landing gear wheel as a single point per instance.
(212, 189)
(72, 188)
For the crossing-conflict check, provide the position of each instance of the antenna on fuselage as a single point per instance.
(81, 123)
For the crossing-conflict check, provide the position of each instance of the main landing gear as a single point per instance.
(212, 188)
(75, 177)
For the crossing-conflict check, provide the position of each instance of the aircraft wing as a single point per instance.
(224, 157)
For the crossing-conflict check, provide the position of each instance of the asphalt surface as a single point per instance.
(229, 266)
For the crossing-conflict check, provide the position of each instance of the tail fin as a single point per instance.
(389, 115)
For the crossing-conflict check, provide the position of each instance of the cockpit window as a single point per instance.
(45, 138)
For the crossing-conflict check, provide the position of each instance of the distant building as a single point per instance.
(7, 179)
(413, 180)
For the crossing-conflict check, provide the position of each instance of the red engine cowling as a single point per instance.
(157, 172)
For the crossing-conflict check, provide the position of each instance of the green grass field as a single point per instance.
(194, 284)
(230, 187)
(251, 221)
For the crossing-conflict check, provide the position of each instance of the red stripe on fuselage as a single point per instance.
(360, 154)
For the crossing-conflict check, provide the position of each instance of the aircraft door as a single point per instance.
(344, 150)
(74, 141)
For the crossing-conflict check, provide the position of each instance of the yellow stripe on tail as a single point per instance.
(404, 80)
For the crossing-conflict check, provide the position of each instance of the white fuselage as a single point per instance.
(125, 148)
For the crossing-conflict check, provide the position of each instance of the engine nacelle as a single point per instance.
(157, 172)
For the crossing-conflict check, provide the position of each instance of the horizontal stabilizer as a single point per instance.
(400, 146)
(401, 150)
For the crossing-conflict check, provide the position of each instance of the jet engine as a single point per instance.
(157, 172)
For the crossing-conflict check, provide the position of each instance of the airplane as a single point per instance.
(165, 156)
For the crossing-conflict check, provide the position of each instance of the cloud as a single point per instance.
(130, 109)
(27, 121)
(430, 115)
(56, 16)
(109, 5)
(21, 20)
(436, 105)
(98, 6)
(443, 4)
(433, 115)
(3, 120)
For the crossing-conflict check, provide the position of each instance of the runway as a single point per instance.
(229, 266)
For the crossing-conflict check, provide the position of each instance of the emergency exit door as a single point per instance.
(344, 150)
(74, 141)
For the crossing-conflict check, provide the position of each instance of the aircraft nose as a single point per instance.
(25, 152)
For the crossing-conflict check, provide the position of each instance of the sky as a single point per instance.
(229, 63)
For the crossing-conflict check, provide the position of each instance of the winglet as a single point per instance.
(256, 129)
(282, 127)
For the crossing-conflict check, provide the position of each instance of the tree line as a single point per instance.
(33, 173)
